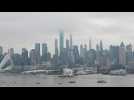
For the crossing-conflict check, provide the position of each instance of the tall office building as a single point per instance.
(44, 52)
(1, 51)
(37, 52)
(71, 54)
(25, 60)
(129, 54)
(67, 51)
(56, 47)
(67, 44)
(33, 60)
(97, 55)
(61, 42)
(71, 42)
(76, 54)
(81, 51)
(1, 54)
(85, 54)
(85, 47)
(114, 55)
(90, 44)
(91, 57)
(101, 46)
(97, 48)
(37, 48)
(11, 51)
(44, 49)
(122, 54)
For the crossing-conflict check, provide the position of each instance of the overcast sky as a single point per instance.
(23, 29)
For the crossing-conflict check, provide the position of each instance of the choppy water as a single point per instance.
(11, 80)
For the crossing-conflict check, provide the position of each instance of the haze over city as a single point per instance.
(23, 29)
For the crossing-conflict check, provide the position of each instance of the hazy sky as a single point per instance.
(23, 29)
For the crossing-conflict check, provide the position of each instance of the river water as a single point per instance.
(41, 80)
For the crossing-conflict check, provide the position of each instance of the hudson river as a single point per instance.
(41, 80)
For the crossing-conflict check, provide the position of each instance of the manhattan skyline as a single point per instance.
(22, 30)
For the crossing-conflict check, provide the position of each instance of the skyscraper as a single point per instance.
(44, 52)
(76, 54)
(90, 44)
(11, 51)
(44, 49)
(61, 42)
(67, 44)
(25, 60)
(33, 60)
(56, 47)
(1, 54)
(85, 48)
(101, 46)
(97, 55)
(71, 42)
(129, 53)
(81, 51)
(37, 47)
(114, 55)
(122, 54)
(37, 52)
(91, 56)
(97, 48)
(1, 51)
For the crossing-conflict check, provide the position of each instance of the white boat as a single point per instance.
(37, 71)
(81, 72)
(67, 72)
(91, 71)
(118, 72)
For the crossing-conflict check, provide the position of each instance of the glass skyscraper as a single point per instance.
(61, 42)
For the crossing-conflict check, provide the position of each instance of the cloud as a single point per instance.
(19, 29)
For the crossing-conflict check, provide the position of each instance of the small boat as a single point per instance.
(101, 81)
(81, 72)
(120, 72)
(72, 82)
(67, 73)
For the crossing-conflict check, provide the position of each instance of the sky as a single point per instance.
(24, 29)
